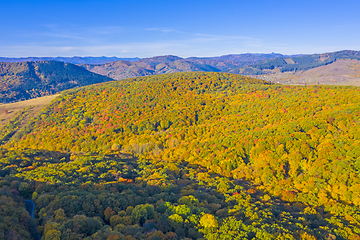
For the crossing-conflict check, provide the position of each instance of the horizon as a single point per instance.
(142, 29)
(231, 54)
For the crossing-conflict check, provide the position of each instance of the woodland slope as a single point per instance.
(186, 155)
(149, 66)
(26, 80)
(297, 63)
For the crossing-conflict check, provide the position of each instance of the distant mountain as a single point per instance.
(148, 66)
(339, 72)
(153, 61)
(220, 65)
(172, 64)
(30, 79)
(227, 62)
(156, 65)
(295, 64)
(245, 57)
(264, 66)
(74, 60)
(26, 80)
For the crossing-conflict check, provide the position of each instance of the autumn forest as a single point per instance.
(196, 155)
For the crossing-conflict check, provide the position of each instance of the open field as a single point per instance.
(341, 72)
(8, 111)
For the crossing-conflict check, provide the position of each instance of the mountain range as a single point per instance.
(74, 60)
(271, 67)
(24, 80)
(171, 64)
(297, 63)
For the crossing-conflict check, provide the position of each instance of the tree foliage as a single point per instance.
(191, 155)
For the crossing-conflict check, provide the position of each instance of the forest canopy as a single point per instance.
(187, 155)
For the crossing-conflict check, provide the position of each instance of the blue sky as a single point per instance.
(135, 28)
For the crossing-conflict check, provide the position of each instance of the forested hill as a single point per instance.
(25, 80)
(245, 58)
(150, 66)
(297, 63)
(173, 64)
(187, 155)
(272, 67)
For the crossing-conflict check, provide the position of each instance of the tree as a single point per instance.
(143, 212)
(176, 221)
(53, 235)
(209, 223)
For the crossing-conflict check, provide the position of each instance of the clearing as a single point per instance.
(341, 72)
(8, 111)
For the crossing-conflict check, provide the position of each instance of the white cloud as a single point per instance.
(164, 30)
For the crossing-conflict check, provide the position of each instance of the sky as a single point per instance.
(196, 28)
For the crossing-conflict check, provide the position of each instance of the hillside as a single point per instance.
(297, 69)
(26, 80)
(245, 58)
(339, 72)
(147, 66)
(10, 110)
(188, 155)
(295, 64)
(172, 64)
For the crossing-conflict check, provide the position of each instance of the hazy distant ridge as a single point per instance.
(74, 60)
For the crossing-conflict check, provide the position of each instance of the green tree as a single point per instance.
(143, 212)
(209, 223)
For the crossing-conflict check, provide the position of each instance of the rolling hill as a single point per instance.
(26, 80)
(200, 155)
(21, 80)
(296, 64)
(339, 72)
(272, 67)
(172, 64)
(147, 66)
(247, 57)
